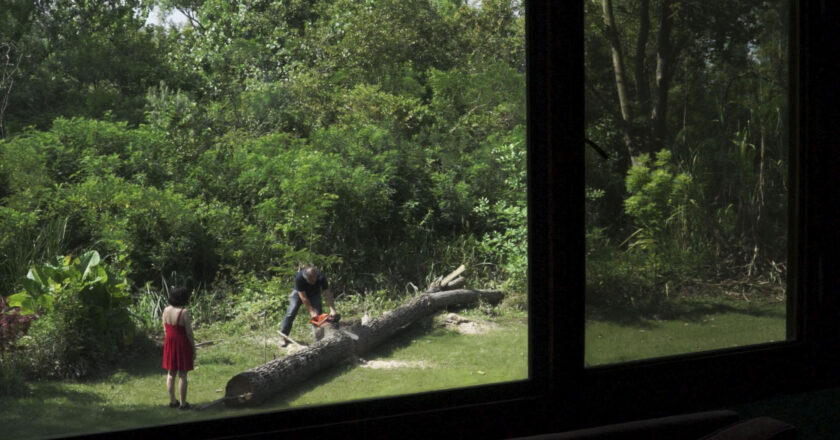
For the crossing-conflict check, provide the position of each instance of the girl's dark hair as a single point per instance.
(179, 296)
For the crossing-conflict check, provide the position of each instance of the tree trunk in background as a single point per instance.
(666, 55)
(649, 132)
(7, 79)
(620, 77)
(639, 70)
(264, 381)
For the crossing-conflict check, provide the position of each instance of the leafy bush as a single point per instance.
(657, 200)
(158, 229)
(12, 383)
(25, 240)
(13, 325)
(61, 345)
(507, 242)
(260, 303)
(84, 316)
(613, 280)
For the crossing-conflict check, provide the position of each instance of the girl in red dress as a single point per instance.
(179, 345)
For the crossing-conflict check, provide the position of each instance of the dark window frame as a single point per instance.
(561, 394)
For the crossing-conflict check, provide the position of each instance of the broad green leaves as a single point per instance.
(82, 275)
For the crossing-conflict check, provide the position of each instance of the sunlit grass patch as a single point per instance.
(695, 327)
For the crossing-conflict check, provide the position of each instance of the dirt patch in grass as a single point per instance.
(390, 365)
(467, 326)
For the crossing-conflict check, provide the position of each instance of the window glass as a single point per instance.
(687, 110)
(224, 146)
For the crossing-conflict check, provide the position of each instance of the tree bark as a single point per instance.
(257, 384)
(640, 71)
(620, 77)
(665, 60)
(7, 79)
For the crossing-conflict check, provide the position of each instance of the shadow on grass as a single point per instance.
(142, 359)
(54, 410)
(691, 310)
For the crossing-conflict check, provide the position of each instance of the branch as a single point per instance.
(598, 149)
(7, 81)
(190, 14)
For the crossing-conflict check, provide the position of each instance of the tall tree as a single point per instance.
(680, 29)
(82, 58)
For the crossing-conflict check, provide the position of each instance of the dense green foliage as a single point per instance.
(689, 101)
(84, 319)
(383, 141)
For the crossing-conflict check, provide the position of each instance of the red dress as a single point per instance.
(177, 350)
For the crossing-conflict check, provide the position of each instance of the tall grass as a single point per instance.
(147, 308)
(206, 305)
(23, 250)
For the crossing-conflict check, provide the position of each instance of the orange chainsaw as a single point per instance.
(319, 320)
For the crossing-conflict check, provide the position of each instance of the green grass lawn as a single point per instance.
(688, 326)
(424, 357)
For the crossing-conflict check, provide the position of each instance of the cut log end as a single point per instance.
(239, 390)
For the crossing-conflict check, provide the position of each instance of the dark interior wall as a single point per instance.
(815, 414)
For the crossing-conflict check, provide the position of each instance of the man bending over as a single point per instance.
(309, 285)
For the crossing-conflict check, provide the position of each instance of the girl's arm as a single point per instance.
(187, 319)
(163, 318)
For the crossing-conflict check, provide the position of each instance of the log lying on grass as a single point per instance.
(259, 383)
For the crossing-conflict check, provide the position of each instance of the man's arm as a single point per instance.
(328, 296)
(305, 301)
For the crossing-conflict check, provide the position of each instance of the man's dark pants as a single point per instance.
(294, 305)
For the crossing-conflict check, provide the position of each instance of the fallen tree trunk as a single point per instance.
(259, 383)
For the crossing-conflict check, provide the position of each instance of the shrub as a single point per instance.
(657, 199)
(507, 243)
(12, 382)
(13, 325)
(84, 318)
(60, 345)
(263, 305)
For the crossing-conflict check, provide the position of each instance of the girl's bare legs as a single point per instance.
(182, 386)
(170, 385)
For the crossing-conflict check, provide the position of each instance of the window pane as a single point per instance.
(224, 149)
(686, 176)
